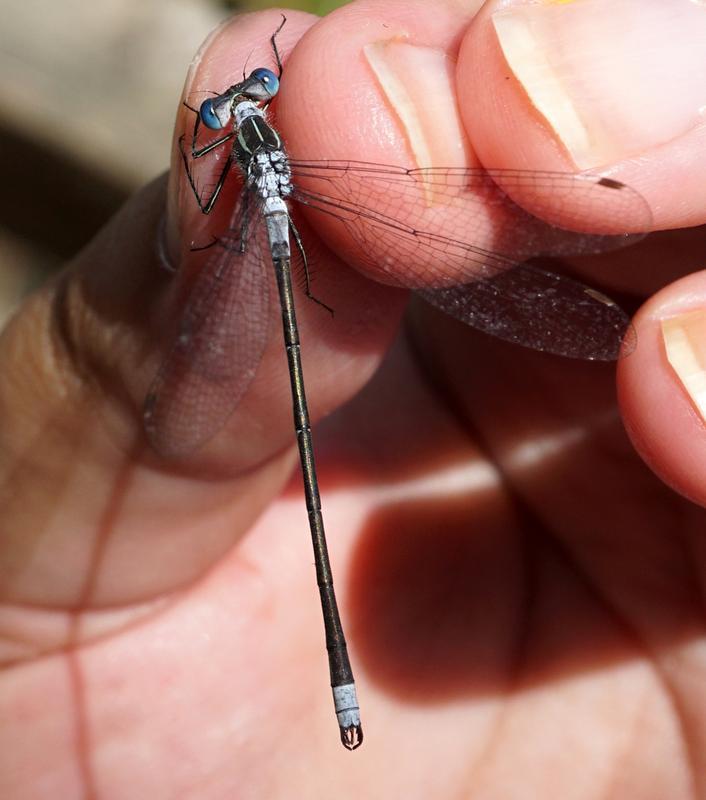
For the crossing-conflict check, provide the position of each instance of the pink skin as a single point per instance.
(663, 423)
(523, 597)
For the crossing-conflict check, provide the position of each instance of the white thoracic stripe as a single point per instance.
(241, 141)
(258, 131)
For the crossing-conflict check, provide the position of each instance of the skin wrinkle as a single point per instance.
(64, 325)
(672, 695)
(494, 740)
(111, 607)
(431, 378)
(148, 609)
(528, 515)
(691, 557)
(492, 743)
(144, 612)
(65, 345)
(106, 525)
(434, 381)
(428, 374)
(671, 691)
(73, 322)
(79, 339)
(6, 664)
(27, 465)
(155, 608)
(613, 790)
(81, 727)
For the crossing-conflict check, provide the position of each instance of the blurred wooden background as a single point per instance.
(88, 93)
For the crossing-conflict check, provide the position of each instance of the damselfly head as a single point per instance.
(215, 112)
(262, 84)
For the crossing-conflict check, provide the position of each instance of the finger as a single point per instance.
(77, 494)
(661, 386)
(88, 521)
(350, 76)
(91, 516)
(385, 92)
(345, 86)
(612, 86)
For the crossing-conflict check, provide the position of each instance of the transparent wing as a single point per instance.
(457, 237)
(475, 207)
(218, 344)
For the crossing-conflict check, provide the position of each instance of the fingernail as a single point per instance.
(418, 83)
(685, 343)
(612, 77)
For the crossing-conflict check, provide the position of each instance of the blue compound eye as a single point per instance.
(209, 117)
(268, 79)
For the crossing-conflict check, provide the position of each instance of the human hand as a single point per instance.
(517, 587)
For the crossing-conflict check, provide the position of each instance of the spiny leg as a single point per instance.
(210, 146)
(228, 242)
(307, 276)
(197, 153)
(273, 42)
(208, 205)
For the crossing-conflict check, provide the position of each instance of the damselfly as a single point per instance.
(428, 220)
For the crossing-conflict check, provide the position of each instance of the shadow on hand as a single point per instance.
(567, 555)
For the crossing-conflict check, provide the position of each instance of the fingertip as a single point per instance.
(373, 83)
(504, 127)
(662, 386)
(365, 83)
(551, 86)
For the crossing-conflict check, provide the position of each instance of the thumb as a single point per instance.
(90, 519)
(91, 516)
